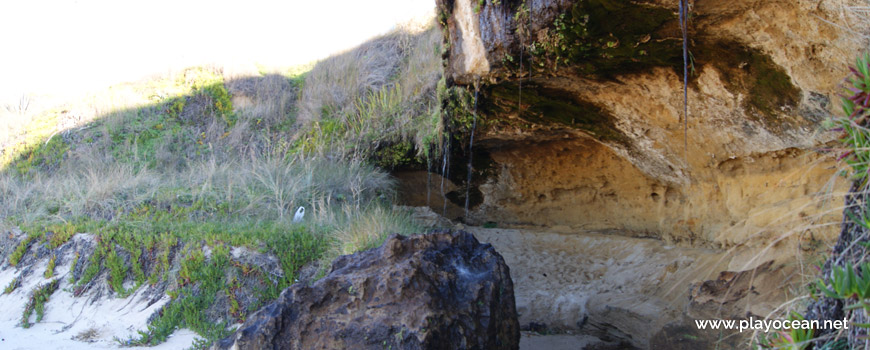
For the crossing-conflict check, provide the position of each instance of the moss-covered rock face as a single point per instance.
(603, 38)
(589, 126)
(768, 88)
(602, 81)
(534, 46)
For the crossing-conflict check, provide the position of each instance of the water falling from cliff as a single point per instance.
(470, 153)
(444, 170)
(428, 180)
(684, 22)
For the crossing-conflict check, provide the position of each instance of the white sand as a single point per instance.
(102, 317)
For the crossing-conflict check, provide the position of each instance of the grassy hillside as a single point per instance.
(204, 157)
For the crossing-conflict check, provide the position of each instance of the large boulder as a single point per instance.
(442, 290)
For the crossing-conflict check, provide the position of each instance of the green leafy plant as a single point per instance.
(61, 233)
(95, 262)
(849, 285)
(792, 339)
(72, 269)
(855, 101)
(37, 302)
(479, 5)
(117, 272)
(13, 285)
(49, 270)
(22, 247)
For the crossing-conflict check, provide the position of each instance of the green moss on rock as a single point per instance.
(607, 37)
(397, 155)
(547, 106)
(749, 71)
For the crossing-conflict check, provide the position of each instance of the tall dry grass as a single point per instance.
(209, 155)
(379, 94)
(130, 148)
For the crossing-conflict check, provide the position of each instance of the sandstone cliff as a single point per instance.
(581, 111)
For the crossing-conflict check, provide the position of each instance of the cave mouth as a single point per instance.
(599, 249)
(556, 180)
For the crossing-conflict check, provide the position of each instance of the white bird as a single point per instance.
(299, 214)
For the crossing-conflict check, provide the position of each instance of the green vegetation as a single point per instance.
(171, 173)
(385, 105)
(49, 270)
(13, 285)
(850, 286)
(21, 249)
(587, 39)
(187, 309)
(848, 279)
(37, 301)
(856, 107)
(117, 272)
(794, 338)
(554, 107)
(72, 268)
(747, 69)
(370, 231)
(61, 233)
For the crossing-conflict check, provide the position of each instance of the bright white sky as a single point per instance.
(56, 46)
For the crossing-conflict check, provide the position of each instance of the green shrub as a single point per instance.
(49, 270)
(117, 272)
(22, 247)
(37, 302)
(61, 233)
(72, 269)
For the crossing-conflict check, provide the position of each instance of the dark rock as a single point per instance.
(850, 250)
(540, 328)
(436, 291)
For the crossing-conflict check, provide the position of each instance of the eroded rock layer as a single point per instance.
(582, 111)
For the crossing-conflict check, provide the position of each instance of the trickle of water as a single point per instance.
(428, 180)
(520, 80)
(470, 153)
(444, 168)
(684, 22)
(528, 23)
